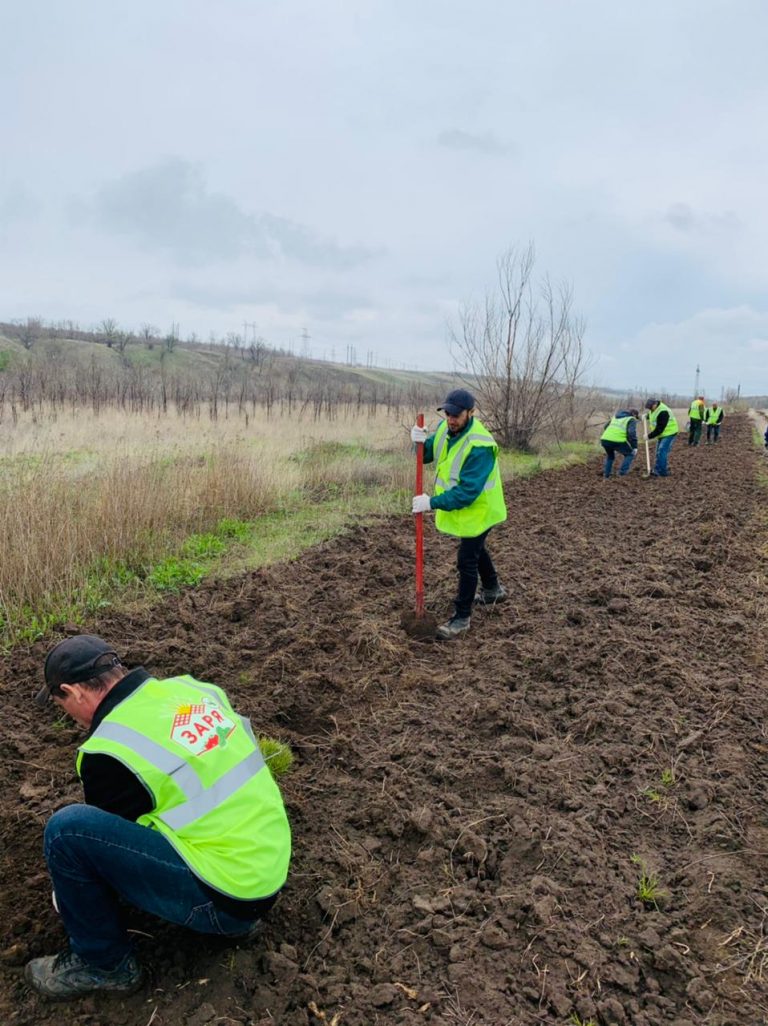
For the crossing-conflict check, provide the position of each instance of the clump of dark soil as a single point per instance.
(471, 820)
(421, 627)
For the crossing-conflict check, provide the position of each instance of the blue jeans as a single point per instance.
(662, 455)
(96, 858)
(611, 448)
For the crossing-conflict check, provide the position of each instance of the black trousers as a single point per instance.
(713, 429)
(473, 561)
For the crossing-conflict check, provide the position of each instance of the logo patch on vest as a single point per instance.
(199, 728)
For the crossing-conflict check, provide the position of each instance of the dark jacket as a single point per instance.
(111, 786)
(661, 422)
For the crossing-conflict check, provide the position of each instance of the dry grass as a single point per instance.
(82, 432)
(81, 491)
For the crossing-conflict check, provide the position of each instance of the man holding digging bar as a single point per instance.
(664, 428)
(182, 817)
(468, 501)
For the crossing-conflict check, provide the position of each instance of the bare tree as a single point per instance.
(171, 339)
(148, 334)
(258, 351)
(521, 349)
(30, 331)
(122, 340)
(108, 329)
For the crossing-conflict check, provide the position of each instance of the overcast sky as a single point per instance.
(354, 168)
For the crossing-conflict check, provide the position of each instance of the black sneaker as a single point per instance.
(455, 626)
(490, 596)
(66, 976)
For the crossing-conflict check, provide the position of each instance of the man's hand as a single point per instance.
(418, 434)
(421, 504)
(634, 452)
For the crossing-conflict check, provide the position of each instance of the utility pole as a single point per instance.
(696, 386)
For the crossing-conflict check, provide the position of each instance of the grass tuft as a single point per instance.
(277, 755)
(649, 889)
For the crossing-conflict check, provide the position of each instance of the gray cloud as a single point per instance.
(324, 304)
(16, 205)
(685, 219)
(457, 139)
(168, 208)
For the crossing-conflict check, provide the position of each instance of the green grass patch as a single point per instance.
(328, 452)
(277, 755)
(203, 546)
(174, 573)
(648, 889)
(229, 527)
(524, 464)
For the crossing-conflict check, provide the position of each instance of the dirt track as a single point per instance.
(465, 814)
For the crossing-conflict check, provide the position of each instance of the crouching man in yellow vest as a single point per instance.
(620, 436)
(468, 501)
(182, 817)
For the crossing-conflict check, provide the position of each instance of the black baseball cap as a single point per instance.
(650, 403)
(75, 660)
(457, 401)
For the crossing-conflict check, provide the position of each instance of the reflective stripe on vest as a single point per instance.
(213, 797)
(183, 775)
(458, 459)
(616, 430)
(207, 800)
(200, 800)
(488, 508)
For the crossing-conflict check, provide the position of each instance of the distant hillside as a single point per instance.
(66, 364)
(53, 364)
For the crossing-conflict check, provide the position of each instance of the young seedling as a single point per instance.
(656, 794)
(648, 886)
(576, 1020)
(277, 755)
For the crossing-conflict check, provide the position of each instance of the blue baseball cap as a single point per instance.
(457, 401)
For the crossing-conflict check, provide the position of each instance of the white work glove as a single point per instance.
(634, 452)
(421, 504)
(418, 434)
(54, 902)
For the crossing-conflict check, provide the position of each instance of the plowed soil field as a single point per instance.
(473, 820)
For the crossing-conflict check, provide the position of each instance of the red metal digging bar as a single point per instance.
(420, 525)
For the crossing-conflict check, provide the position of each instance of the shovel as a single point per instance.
(419, 623)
